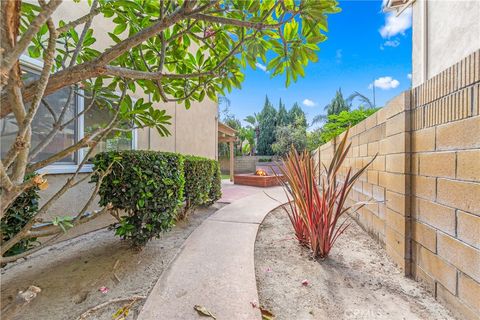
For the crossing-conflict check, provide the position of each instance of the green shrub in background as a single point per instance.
(216, 178)
(198, 182)
(148, 186)
(17, 216)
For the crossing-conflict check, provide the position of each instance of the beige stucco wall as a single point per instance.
(453, 32)
(193, 131)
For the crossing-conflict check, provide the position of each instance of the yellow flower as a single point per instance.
(40, 182)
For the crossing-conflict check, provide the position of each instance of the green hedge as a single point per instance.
(216, 188)
(198, 181)
(151, 187)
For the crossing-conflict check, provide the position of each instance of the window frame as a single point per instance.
(35, 65)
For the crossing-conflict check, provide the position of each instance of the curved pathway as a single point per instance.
(215, 267)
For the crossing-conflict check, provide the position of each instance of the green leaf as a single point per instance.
(120, 28)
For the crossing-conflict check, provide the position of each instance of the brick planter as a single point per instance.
(253, 180)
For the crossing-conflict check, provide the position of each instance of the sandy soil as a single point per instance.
(71, 273)
(357, 281)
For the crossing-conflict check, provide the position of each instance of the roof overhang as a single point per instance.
(397, 5)
(226, 130)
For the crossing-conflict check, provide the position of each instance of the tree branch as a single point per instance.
(25, 131)
(10, 59)
(86, 18)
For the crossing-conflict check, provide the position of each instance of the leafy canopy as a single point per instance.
(226, 36)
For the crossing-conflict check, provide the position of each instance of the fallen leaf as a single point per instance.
(266, 315)
(203, 311)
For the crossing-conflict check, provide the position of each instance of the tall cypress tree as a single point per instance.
(267, 125)
(297, 113)
(282, 116)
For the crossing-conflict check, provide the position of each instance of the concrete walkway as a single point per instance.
(215, 267)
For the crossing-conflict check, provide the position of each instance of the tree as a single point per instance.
(266, 126)
(337, 105)
(296, 113)
(337, 123)
(246, 136)
(282, 115)
(365, 102)
(288, 136)
(254, 123)
(151, 52)
(314, 139)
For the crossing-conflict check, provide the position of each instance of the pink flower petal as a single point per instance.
(305, 282)
(103, 290)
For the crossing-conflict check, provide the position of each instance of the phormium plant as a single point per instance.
(315, 208)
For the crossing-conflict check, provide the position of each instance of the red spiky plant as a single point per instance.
(315, 208)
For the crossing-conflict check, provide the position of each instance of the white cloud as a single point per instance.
(409, 76)
(396, 25)
(338, 55)
(309, 103)
(392, 43)
(385, 83)
(262, 67)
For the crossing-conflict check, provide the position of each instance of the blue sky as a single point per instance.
(363, 45)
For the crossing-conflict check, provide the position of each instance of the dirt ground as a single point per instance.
(357, 281)
(71, 273)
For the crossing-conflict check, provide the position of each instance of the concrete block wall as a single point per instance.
(243, 164)
(425, 182)
(445, 171)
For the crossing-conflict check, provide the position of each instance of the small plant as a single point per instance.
(23, 209)
(315, 208)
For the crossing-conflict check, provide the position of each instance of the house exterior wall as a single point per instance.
(447, 30)
(426, 182)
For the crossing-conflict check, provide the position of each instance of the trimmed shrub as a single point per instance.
(147, 185)
(150, 187)
(22, 210)
(216, 177)
(198, 182)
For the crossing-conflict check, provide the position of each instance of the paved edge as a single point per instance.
(215, 267)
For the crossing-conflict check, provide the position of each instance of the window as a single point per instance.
(98, 116)
(74, 130)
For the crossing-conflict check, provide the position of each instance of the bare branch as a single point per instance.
(24, 130)
(242, 23)
(86, 18)
(56, 127)
(87, 25)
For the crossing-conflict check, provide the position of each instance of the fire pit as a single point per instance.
(258, 179)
